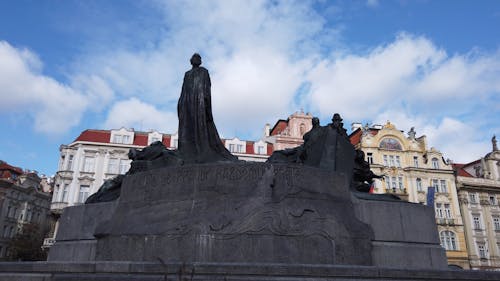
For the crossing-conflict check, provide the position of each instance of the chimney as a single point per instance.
(267, 129)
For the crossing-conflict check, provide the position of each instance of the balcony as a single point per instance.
(58, 206)
(396, 190)
(48, 242)
(66, 174)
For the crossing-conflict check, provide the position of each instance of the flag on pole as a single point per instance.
(430, 196)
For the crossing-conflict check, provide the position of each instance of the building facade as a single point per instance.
(97, 155)
(288, 133)
(22, 201)
(478, 184)
(408, 168)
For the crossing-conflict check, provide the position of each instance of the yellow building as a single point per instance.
(409, 168)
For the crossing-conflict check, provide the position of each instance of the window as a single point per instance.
(88, 164)
(448, 240)
(496, 223)
(70, 163)
(439, 210)
(493, 200)
(113, 166)
(435, 184)
(239, 148)
(260, 150)
(473, 198)
(302, 129)
(435, 163)
(419, 184)
(117, 139)
(415, 161)
(447, 211)
(155, 139)
(398, 161)
(126, 139)
(8, 212)
(61, 165)
(394, 183)
(84, 193)
(391, 161)
(123, 166)
(65, 193)
(369, 158)
(477, 222)
(386, 162)
(443, 186)
(482, 251)
(176, 143)
(55, 198)
(5, 229)
(232, 147)
(12, 232)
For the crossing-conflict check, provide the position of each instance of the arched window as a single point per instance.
(448, 240)
(302, 129)
(435, 163)
(419, 184)
(390, 143)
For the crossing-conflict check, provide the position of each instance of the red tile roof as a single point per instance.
(7, 171)
(355, 136)
(461, 172)
(279, 127)
(95, 136)
(140, 139)
(249, 148)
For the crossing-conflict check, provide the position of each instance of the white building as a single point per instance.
(98, 155)
(478, 184)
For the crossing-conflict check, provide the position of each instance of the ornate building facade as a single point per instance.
(409, 167)
(22, 201)
(478, 184)
(288, 133)
(97, 155)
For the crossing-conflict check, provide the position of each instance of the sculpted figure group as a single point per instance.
(199, 141)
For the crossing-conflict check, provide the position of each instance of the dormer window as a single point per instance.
(435, 163)
(118, 139)
(122, 136)
(154, 137)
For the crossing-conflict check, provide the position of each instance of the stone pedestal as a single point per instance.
(246, 214)
(243, 213)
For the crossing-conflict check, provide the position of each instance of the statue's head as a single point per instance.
(315, 122)
(195, 60)
(336, 118)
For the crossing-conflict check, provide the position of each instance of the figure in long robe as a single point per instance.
(199, 141)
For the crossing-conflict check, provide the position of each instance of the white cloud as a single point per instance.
(412, 82)
(459, 141)
(259, 54)
(256, 51)
(133, 113)
(55, 107)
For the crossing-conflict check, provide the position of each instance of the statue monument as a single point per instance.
(304, 214)
(199, 141)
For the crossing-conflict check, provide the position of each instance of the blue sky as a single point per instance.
(66, 66)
